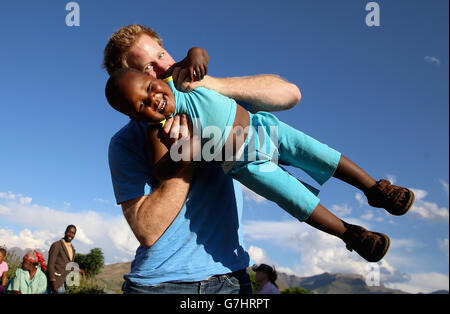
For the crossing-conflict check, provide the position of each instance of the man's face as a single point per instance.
(260, 276)
(70, 234)
(148, 56)
(145, 98)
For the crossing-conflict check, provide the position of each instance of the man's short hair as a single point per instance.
(71, 226)
(119, 44)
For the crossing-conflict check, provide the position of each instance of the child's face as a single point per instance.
(2, 257)
(146, 98)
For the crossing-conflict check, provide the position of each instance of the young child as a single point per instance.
(3, 270)
(144, 98)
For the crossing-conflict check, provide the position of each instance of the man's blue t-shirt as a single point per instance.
(205, 239)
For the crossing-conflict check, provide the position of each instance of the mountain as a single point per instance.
(439, 292)
(111, 277)
(20, 253)
(327, 283)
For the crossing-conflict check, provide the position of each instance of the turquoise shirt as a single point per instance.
(21, 282)
(211, 113)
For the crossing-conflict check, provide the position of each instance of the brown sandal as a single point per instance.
(396, 200)
(372, 246)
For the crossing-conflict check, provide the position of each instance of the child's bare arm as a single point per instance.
(198, 63)
(163, 164)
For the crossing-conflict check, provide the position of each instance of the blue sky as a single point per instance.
(377, 94)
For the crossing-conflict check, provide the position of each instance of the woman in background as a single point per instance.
(266, 276)
(30, 279)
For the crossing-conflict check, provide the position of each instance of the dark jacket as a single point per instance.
(58, 258)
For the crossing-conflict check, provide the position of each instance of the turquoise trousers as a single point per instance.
(271, 143)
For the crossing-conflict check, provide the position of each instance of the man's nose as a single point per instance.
(160, 67)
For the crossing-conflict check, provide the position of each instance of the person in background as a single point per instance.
(3, 270)
(266, 276)
(30, 278)
(60, 254)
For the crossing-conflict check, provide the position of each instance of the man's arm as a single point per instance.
(263, 92)
(149, 216)
(52, 255)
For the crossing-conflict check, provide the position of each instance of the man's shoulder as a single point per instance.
(55, 244)
(130, 135)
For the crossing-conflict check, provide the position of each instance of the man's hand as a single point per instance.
(54, 287)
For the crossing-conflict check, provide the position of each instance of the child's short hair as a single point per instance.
(3, 250)
(112, 86)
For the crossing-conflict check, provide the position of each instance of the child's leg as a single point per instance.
(372, 246)
(382, 194)
(325, 221)
(321, 162)
(351, 173)
(277, 185)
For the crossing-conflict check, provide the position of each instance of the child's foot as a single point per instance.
(395, 199)
(372, 246)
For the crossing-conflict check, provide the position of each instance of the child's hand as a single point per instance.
(197, 63)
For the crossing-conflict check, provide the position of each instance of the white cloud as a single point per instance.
(444, 186)
(25, 200)
(368, 215)
(320, 252)
(392, 178)
(428, 210)
(111, 233)
(341, 210)
(258, 255)
(406, 244)
(26, 239)
(101, 200)
(252, 196)
(443, 245)
(433, 60)
(7, 195)
(423, 282)
(4, 210)
(361, 199)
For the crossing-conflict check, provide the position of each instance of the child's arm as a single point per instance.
(196, 62)
(4, 279)
(163, 165)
